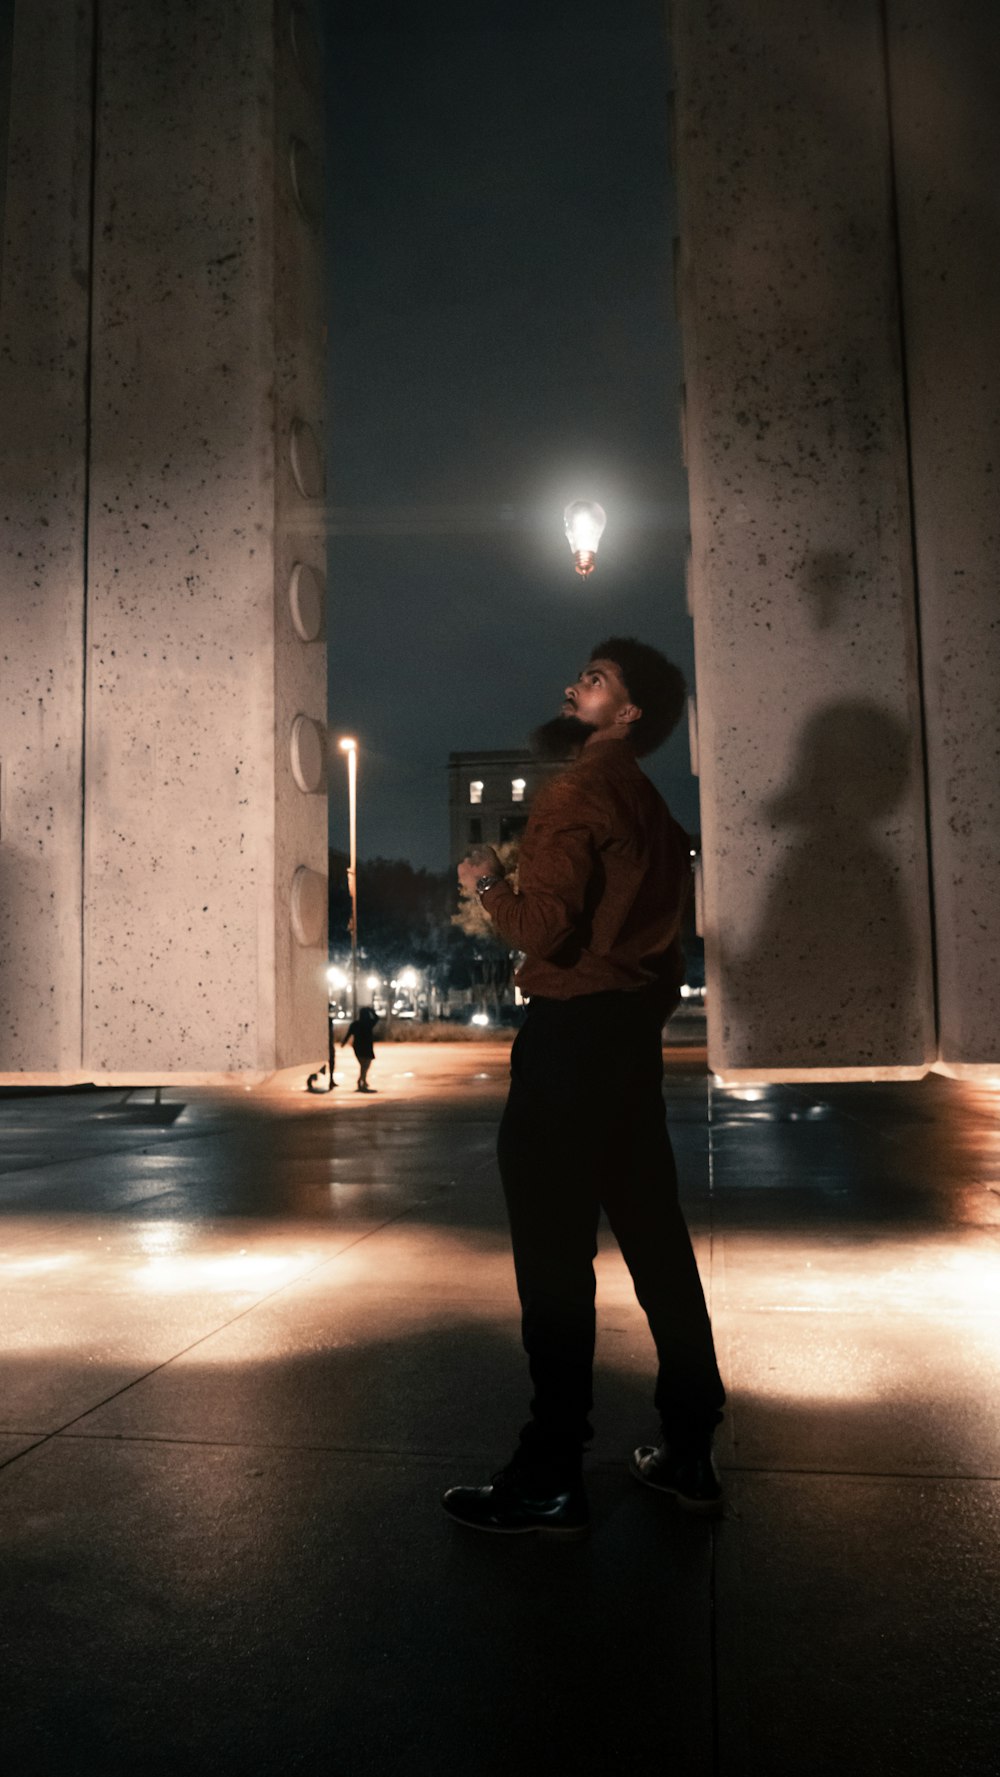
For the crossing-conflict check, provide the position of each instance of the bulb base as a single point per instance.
(584, 559)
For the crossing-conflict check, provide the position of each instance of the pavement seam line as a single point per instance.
(602, 1465)
(221, 1328)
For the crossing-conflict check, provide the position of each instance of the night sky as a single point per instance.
(502, 340)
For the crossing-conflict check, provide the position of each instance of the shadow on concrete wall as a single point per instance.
(28, 952)
(835, 927)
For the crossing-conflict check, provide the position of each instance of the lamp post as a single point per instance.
(334, 979)
(350, 747)
(584, 522)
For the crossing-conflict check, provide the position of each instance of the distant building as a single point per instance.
(490, 796)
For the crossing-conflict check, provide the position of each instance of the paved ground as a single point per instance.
(248, 1340)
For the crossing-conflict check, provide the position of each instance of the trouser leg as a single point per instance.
(553, 1209)
(585, 1125)
(640, 1199)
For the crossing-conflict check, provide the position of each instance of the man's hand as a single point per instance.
(480, 860)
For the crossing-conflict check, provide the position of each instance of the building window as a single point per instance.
(475, 832)
(512, 826)
(517, 789)
(476, 790)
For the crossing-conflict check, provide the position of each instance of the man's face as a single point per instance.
(596, 705)
(599, 697)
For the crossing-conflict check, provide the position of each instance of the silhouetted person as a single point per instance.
(604, 874)
(834, 922)
(359, 1034)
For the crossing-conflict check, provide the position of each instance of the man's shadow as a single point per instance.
(831, 976)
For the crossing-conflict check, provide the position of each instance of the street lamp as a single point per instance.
(584, 522)
(350, 747)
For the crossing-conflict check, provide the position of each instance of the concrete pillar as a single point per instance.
(815, 876)
(44, 309)
(196, 593)
(944, 63)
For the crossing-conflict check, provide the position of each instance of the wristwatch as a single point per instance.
(486, 882)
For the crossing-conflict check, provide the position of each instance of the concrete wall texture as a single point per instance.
(162, 898)
(838, 288)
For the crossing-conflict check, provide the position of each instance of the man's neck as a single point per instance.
(602, 735)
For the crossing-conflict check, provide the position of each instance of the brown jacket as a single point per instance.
(604, 873)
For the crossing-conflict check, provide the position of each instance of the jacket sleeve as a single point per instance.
(548, 906)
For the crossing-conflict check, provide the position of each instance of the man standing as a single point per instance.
(604, 874)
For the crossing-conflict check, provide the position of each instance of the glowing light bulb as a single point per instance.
(584, 521)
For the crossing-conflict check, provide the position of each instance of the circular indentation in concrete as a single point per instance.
(307, 910)
(307, 601)
(307, 460)
(306, 46)
(307, 180)
(308, 754)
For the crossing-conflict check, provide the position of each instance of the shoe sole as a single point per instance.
(702, 1508)
(569, 1533)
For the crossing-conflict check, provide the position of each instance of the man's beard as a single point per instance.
(561, 739)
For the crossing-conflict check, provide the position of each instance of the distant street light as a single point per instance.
(350, 747)
(584, 522)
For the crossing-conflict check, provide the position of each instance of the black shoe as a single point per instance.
(509, 1507)
(690, 1479)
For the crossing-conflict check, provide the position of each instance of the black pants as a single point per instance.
(584, 1129)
